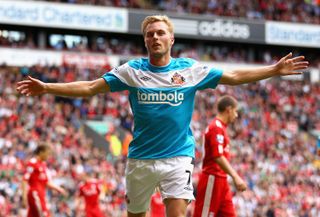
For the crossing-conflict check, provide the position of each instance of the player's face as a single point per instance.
(233, 114)
(45, 154)
(158, 40)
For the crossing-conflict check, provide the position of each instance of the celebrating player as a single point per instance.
(162, 91)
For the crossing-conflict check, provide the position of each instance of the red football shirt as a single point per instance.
(157, 207)
(216, 145)
(37, 176)
(90, 190)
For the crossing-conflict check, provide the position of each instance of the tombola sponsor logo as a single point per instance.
(173, 98)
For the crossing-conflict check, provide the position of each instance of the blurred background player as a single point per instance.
(157, 208)
(214, 197)
(90, 189)
(35, 181)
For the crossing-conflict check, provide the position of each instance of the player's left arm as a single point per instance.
(287, 65)
(226, 167)
(57, 188)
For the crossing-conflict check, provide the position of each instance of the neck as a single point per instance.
(223, 118)
(159, 61)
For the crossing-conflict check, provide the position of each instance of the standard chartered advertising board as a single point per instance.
(68, 16)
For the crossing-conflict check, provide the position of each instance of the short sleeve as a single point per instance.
(211, 80)
(216, 141)
(28, 171)
(115, 78)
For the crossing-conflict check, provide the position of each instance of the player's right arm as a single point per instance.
(226, 167)
(24, 193)
(34, 87)
(77, 202)
(79, 198)
(25, 179)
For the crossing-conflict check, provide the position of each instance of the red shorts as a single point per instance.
(37, 205)
(214, 197)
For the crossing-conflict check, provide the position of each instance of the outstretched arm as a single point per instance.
(226, 167)
(285, 66)
(34, 87)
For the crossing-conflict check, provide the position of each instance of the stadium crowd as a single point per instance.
(272, 147)
(297, 11)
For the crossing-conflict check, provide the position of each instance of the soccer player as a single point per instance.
(90, 190)
(213, 192)
(161, 93)
(38, 178)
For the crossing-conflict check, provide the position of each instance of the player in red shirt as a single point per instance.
(90, 190)
(37, 178)
(214, 196)
(157, 207)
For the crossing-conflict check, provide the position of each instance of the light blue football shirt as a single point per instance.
(162, 102)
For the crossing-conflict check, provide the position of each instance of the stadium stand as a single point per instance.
(289, 11)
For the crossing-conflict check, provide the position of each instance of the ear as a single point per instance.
(172, 39)
(145, 43)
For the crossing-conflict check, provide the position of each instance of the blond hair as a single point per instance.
(156, 18)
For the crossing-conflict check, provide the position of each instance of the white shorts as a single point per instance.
(173, 176)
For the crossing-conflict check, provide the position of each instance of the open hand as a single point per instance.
(31, 87)
(289, 66)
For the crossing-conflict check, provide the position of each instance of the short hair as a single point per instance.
(156, 18)
(226, 101)
(41, 148)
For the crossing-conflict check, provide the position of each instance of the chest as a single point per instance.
(90, 190)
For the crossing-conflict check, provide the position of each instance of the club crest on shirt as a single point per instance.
(220, 138)
(177, 79)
